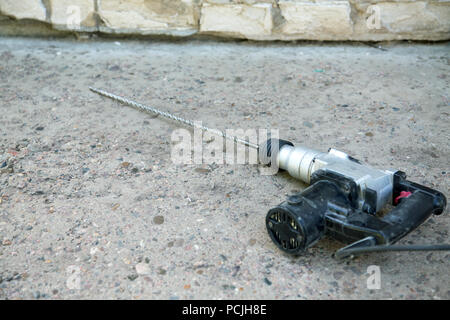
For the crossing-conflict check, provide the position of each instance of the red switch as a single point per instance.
(403, 194)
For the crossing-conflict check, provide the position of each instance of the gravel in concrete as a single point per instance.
(91, 205)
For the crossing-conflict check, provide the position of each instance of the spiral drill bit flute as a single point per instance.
(343, 199)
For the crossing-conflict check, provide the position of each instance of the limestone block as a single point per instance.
(409, 17)
(237, 20)
(324, 20)
(399, 20)
(149, 16)
(23, 9)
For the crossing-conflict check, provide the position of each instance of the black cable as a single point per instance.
(352, 251)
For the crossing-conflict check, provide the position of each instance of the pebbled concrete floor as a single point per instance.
(93, 207)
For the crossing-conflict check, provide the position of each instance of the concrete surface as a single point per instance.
(92, 206)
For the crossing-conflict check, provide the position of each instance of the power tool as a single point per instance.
(344, 198)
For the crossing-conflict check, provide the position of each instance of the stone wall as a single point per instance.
(372, 20)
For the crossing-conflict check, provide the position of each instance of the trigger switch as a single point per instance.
(403, 194)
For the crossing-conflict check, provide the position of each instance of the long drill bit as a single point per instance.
(190, 123)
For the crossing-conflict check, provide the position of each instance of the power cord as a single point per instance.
(342, 253)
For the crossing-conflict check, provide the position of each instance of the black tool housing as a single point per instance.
(329, 207)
